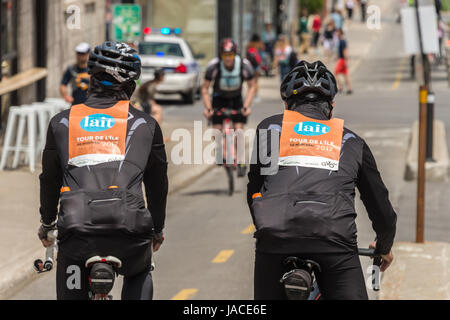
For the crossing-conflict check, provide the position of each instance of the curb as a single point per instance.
(435, 171)
(14, 279)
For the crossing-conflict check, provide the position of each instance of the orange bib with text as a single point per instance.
(97, 135)
(308, 142)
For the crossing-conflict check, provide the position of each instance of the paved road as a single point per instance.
(203, 222)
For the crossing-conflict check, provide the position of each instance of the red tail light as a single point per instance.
(181, 69)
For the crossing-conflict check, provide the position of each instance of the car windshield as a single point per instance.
(160, 49)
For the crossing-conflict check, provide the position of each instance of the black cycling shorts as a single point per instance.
(230, 103)
(341, 277)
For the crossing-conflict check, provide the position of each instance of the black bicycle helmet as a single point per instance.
(114, 63)
(227, 45)
(305, 78)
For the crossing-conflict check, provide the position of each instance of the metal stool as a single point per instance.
(60, 104)
(25, 114)
(45, 112)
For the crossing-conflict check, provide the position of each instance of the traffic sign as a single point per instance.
(126, 22)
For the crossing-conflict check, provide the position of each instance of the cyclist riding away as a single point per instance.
(96, 157)
(228, 73)
(306, 209)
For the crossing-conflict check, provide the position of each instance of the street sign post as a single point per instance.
(421, 37)
(428, 29)
(126, 22)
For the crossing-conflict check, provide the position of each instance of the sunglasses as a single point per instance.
(228, 55)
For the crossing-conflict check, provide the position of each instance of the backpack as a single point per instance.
(254, 57)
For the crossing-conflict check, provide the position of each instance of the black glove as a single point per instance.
(158, 237)
(44, 229)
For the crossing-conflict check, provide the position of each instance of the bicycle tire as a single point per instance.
(229, 171)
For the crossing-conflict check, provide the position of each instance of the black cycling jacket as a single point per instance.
(145, 161)
(309, 210)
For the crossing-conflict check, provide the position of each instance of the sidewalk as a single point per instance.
(418, 272)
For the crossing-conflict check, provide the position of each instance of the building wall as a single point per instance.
(63, 36)
(26, 46)
(196, 18)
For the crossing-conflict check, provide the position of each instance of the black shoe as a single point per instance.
(241, 170)
(349, 92)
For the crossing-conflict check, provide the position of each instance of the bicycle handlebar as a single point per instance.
(367, 252)
(227, 112)
(370, 252)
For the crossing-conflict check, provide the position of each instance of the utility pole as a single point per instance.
(225, 18)
(423, 123)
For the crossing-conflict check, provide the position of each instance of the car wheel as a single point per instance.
(189, 97)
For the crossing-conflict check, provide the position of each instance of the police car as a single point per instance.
(164, 48)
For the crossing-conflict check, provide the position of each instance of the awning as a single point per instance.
(22, 79)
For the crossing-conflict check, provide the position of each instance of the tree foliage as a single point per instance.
(313, 6)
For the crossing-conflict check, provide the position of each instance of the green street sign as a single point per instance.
(126, 22)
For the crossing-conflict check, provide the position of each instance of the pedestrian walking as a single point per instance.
(329, 40)
(363, 5)
(303, 32)
(341, 68)
(338, 19)
(254, 55)
(316, 27)
(282, 55)
(269, 37)
(77, 75)
(349, 4)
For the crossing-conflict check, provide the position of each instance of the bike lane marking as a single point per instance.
(185, 294)
(250, 229)
(223, 256)
(399, 75)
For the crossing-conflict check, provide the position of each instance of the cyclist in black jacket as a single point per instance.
(96, 157)
(309, 211)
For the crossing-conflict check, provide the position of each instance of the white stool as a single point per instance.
(60, 104)
(24, 114)
(45, 112)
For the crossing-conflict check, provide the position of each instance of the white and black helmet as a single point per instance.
(307, 78)
(114, 63)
